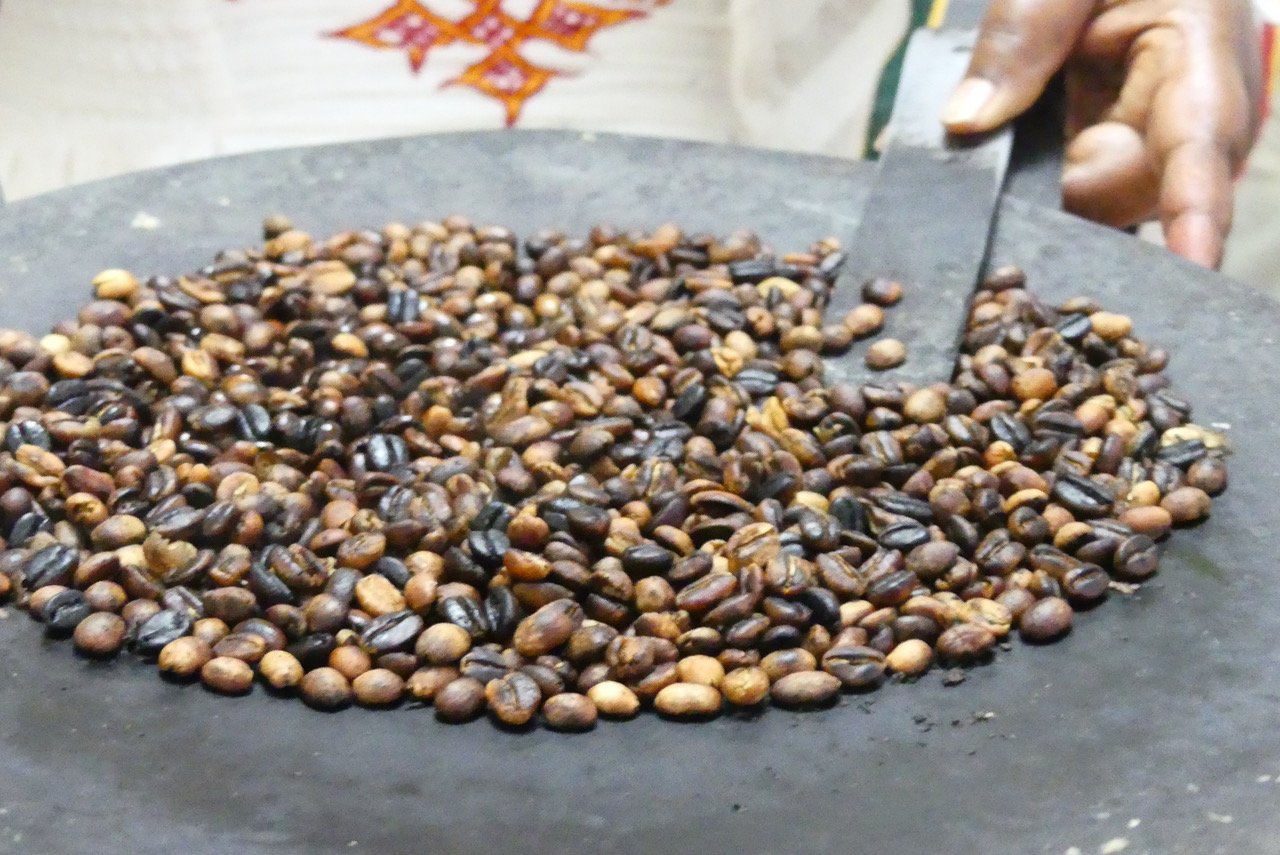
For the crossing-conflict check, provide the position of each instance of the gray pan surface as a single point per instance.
(1155, 722)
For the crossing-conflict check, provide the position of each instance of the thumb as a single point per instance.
(1021, 45)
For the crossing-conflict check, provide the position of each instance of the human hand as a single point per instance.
(1163, 104)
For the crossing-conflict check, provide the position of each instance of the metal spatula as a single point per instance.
(927, 221)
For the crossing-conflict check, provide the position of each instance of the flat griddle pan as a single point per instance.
(1156, 721)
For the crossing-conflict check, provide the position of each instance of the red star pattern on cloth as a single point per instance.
(504, 73)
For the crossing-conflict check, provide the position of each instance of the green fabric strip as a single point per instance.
(889, 77)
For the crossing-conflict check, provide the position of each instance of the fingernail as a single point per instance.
(967, 100)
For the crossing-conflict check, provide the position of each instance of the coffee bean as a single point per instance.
(804, 689)
(745, 687)
(443, 644)
(855, 667)
(244, 646)
(160, 629)
(613, 699)
(280, 670)
(1154, 522)
(1186, 505)
(460, 700)
(683, 700)
(911, 658)
(882, 291)
(569, 711)
(100, 634)
(513, 698)
(377, 596)
(377, 687)
(547, 628)
(886, 353)
(965, 642)
(184, 657)
(325, 689)
(390, 632)
(1048, 620)
(227, 675)
(704, 670)
(64, 611)
(425, 683)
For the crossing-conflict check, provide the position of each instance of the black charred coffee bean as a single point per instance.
(465, 613)
(52, 565)
(391, 632)
(488, 547)
(158, 630)
(64, 611)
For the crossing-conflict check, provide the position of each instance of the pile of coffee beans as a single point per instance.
(570, 477)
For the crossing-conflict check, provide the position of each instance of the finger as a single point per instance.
(1232, 24)
(1196, 199)
(1110, 177)
(1200, 131)
(1021, 45)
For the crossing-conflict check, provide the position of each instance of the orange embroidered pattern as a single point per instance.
(504, 73)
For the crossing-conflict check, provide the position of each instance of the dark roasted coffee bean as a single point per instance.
(26, 432)
(488, 546)
(502, 612)
(313, 650)
(160, 629)
(63, 612)
(53, 565)
(1082, 495)
(854, 667)
(903, 536)
(390, 632)
(465, 613)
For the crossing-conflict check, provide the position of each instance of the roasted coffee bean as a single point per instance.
(513, 698)
(570, 711)
(466, 613)
(184, 657)
(227, 675)
(855, 667)
(52, 565)
(485, 664)
(891, 589)
(160, 629)
(613, 699)
(1082, 496)
(64, 611)
(488, 547)
(547, 628)
(804, 689)
(314, 650)
(1047, 620)
(390, 632)
(350, 661)
(910, 658)
(100, 634)
(965, 642)
(378, 687)
(443, 644)
(280, 670)
(745, 687)
(325, 689)
(684, 700)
